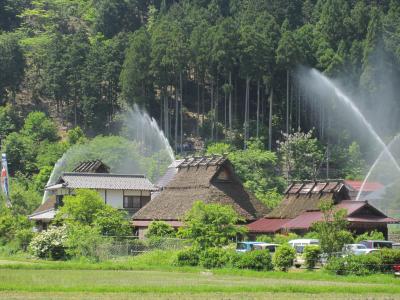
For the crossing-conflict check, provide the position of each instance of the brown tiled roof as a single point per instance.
(105, 181)
(266, 225)
(197, 180)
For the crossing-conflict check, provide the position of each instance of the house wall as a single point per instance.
(115, 198)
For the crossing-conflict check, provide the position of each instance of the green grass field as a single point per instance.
(139, 278)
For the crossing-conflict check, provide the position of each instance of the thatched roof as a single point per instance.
(208, 179)
(93, 166)
(307, 196)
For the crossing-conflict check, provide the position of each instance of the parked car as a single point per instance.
(299, 246)
(396, 269)
(376, 244)
(270, 247)
(396, 246)
(356, 249)
(248, 246)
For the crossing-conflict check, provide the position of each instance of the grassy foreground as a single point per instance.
(139, 278)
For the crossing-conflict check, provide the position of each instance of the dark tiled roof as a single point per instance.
(197, 181)
(368, 187)
(106, 181)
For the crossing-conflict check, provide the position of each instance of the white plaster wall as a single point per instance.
(102, 194)
(115, 198)
(131, 193)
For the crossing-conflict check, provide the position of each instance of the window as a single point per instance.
(132, 202)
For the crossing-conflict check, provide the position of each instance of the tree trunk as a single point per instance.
(230, 100)
(271, 100)
(166, 121)
(287, 101)
(298, 110)
(258, 107)
(211, 110)
(181, 100)
(246, 112)
(198, 104)
(176, 119)
(216, 112)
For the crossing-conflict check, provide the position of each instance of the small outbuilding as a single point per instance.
(210, 179)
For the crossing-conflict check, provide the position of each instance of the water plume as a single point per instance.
(141, 148)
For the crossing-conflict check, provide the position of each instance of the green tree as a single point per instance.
(211, 225)
(39, 127)
(112, 222)
(20, 151)
(12, 64)
(160, 229)
(81, 208)
(301, 155)
(331, 230)
(136, 84)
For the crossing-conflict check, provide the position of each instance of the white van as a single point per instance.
(299, 246)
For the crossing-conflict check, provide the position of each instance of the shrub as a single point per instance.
(50, 243)
(354, 265)
(264, 238)
(256, 260)
(283, 239)
(311, 255)
(388, 258)
(373, 235)
(83, 241)
(214, 258)
(283, 257)
(188, 257)
(23, 237)
(160, 229)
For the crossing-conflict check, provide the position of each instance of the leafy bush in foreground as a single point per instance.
(354, 265)
(49, 243)
(188, 257)
(283, 257)
(388, 258)
(255, 260)
(214, 258)
(311, 255)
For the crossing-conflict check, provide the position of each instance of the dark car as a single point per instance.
(375, 244)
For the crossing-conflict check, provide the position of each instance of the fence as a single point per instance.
(130, 246)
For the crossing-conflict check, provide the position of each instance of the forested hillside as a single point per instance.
(216, 71)
(217, 64)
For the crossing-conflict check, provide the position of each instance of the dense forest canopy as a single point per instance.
(211, 70)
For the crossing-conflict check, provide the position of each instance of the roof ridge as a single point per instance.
(104, 174)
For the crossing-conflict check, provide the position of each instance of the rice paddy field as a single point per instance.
(143, 279)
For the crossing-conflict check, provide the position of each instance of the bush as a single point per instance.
(373, 235)
(354, 265)
(283, 239)
(188, 257)
(160, 229)
(255, 260)
(214, 258)
(83, 241)
(311, 255)
(50, 243)
(23, 238)
(264, 238)
(283, 257)
(388, 258)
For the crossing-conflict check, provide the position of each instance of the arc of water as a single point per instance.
(355, 109)
(375, 164)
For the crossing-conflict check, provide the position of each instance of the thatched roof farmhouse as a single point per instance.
(208, 179)
(300, 208)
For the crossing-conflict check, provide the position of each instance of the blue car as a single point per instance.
(249, 246)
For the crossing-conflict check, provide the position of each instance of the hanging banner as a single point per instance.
(4, 178)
